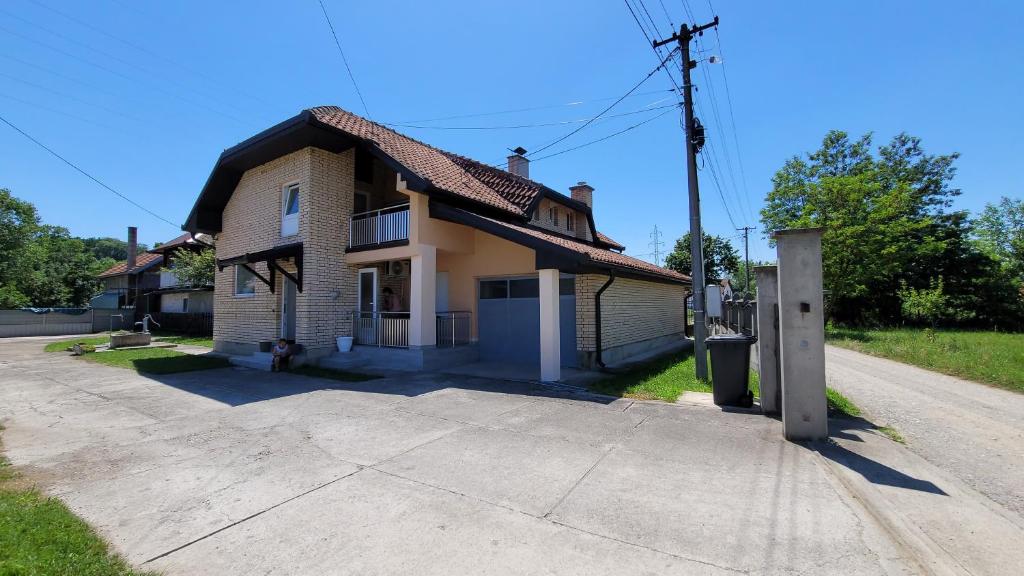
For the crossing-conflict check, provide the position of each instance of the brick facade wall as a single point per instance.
(631, 311)
(252, 222)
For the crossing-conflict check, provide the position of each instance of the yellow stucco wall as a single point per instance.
(491, 257)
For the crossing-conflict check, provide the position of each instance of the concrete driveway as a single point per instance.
(235, 471)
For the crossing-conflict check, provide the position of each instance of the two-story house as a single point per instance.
(330, 225)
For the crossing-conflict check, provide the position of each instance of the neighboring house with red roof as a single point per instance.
(124, 283)
(328, 225)
(142, 283)
(176, 296)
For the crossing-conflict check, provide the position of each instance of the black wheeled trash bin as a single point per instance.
(730, 369)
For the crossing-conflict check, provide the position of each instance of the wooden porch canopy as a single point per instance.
(271, 257)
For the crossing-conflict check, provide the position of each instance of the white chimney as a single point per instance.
(133, 246)
(518, 164)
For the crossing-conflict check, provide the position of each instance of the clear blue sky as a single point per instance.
(145, 95)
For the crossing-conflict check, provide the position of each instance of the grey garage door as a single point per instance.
(508, 312)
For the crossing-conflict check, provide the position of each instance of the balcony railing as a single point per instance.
(391, 329)
(382, 329)
(381, 226)
(453, 329)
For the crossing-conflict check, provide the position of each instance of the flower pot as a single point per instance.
(344, 343)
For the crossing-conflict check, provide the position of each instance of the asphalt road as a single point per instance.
(973, 431)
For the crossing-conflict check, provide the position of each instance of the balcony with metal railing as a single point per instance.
(379, 228)
(391, 329)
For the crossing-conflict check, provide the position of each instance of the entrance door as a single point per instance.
(366, 321)
(288, 310)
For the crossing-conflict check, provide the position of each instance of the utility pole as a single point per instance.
(746, 257)
(656, 244)
(694, 140)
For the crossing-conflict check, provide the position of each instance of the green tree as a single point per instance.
(19, 222)
(882, 217)
(42, 265)
(195, 268)
(739, 279)
(1000, 232)
(720, 258)
(929, 305)
(110, 248)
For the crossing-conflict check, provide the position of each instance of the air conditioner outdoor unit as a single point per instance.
(398, 268)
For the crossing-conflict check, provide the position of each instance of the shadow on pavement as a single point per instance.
(874, 472)
(238, 386)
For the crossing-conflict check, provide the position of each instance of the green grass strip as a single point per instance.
(995, 358)
(156, 360)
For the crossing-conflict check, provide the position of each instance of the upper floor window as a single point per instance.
(553, 215)
(290, 210)
(570, 222)
(245, 282)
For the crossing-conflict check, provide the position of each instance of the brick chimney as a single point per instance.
(518, 164)
(583, 192)
(133, 246)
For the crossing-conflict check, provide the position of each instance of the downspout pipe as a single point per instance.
(597, 317)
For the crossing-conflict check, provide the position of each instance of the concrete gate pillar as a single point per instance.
(423, 284)
(550, 339)
(802, 334)
(768, 337)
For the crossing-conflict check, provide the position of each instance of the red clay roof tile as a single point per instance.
(142, 261)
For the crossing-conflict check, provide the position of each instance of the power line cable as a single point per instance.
(145, 50)
(108, 55)
(538, 125)
(601, 113)
(344, 59)
(125, 77)
(530, 109)
(86, 174)
(612, 135)
(732, 116)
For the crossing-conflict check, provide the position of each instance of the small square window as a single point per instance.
(245, 282)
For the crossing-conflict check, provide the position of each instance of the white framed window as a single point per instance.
(245, 282)
(290, 210)
(570, 222)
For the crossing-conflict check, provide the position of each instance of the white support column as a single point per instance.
(423, 285)
(550, 339)
(802, 335)
(768, 336)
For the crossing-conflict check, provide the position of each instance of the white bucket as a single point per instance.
(344, 343)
